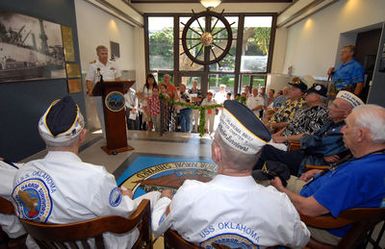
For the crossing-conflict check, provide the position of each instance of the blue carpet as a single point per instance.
(147, 172)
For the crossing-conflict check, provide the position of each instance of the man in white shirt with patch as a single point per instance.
(101, 68)
(255, 102)
(61, 189)
(232, 210)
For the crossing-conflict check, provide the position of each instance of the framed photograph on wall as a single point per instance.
(30, 48)
(115, 50)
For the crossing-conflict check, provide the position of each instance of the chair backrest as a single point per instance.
(172, 240)
(55, 236)
(362, 220)
(6, 207)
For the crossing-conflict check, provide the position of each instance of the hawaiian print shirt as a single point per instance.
(287, 112)
(308, 121)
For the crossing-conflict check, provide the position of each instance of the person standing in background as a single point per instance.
(196, 98)
(105, 69)
(143, 96)
(349, 76)
(132, 114)
(210, 113)
(154, 107)
(185, 112)
(255, 102)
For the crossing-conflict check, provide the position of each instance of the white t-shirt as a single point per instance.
(233, 212)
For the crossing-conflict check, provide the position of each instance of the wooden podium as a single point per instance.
(115, 115)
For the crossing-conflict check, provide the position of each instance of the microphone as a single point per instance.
(99, 74)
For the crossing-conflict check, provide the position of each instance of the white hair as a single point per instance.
(371, 117)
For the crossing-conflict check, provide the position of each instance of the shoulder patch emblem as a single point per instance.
(33, 200)
(92, 62)
(115, 197)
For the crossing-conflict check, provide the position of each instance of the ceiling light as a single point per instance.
(210, 4)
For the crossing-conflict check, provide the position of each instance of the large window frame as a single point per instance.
(206, 71)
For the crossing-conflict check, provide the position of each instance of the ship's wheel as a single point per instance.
(215, 39)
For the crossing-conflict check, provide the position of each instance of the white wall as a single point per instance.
(312, 43)
(96, 27)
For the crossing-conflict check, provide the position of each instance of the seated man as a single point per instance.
(308, 120)
(60, 188)
(325, 147)
(294, 102)
(217, 213)
(9, 223)
(357, 183)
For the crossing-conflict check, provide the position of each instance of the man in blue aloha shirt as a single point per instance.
(357, 183)
(349, 75)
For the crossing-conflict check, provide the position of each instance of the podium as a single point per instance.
(114, 115)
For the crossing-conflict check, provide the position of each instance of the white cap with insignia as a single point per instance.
(241, 129)
(351, 98)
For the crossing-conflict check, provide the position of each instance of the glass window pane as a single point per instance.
(188, 81)
(255, 44)
(227, 64)
(161, 43)
(258, 81)
(193, 40)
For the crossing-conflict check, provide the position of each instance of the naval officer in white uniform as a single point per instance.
(232, 210)
(108, 70)
(60, 188)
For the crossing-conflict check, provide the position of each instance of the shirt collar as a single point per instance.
(62, 155)
(100, 63)
(348, 62)
(235, 182)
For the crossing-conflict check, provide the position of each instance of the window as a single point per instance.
(161, 40)
(247, 64)
(256, 43)
(193, 39)
(228, 63)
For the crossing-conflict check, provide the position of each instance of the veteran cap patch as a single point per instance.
(351, 98)
(241, 129)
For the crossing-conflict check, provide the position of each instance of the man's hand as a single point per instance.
(309, 174)
(332, 159)
(167, 193)
(330, 70)
(126, 192)
(277, 183)
(279, 139)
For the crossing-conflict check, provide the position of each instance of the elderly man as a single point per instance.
(255, 102)
(357, 183)
(217, 214)
(287, 111)
(60, 188)
(349, 75)
(308, 120)
(99, 69)
(281, 99)
(325, 147)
